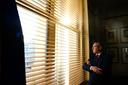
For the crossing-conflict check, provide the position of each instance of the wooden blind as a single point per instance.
(68, 60)
(39, 65)
(62, 55)
(51, 37)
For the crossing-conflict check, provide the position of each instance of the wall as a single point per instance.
(100, 24)
(95, 28)
(118, 23)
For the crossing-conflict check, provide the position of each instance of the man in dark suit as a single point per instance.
(99, 66)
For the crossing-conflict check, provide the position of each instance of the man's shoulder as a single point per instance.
(104, 53)
(106, 56)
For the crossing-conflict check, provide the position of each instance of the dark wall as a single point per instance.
(107, 26)
(118, 25)
(0, 50)
(96, 32)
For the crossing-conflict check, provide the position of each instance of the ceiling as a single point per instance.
(110, 3)
(104, 6)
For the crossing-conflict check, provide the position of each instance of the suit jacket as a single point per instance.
(104, 62)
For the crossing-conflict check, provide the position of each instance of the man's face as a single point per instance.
(96, 48)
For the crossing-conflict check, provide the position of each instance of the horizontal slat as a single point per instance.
(35, 73)
(51, 65)
(64, 43)
(40, 66)
(32, 83)
(46, 56)
(35, 77)
(41, 60)
(62, 31)
(45, 78)
(33, 43)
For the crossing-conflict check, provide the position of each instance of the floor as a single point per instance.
(114, 81)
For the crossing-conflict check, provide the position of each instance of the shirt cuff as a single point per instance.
(90, 67)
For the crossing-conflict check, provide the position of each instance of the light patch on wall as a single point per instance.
(66, 20)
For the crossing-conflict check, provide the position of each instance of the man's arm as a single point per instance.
(86, 67)
(96, 69)
(90, 68)
(107, 61)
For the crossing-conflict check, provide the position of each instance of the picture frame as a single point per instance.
(124, 35)
(111, 35)
(124, 55)
(114, 53)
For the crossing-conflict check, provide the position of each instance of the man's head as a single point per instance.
(96, 48)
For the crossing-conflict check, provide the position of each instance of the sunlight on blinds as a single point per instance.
(68, 67)
(68, 60)
(34, 29)
(62, 55)
(75, 69)
(67, 11)
(52, 41)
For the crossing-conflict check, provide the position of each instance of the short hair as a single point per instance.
(98, 44)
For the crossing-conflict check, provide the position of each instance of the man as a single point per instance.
(99, 66)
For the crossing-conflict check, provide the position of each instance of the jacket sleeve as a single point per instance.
(106, 67)
(86, 67)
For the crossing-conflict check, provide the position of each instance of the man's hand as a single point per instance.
(96, 69)
(88, 62)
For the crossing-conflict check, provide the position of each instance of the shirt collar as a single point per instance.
(98, 54)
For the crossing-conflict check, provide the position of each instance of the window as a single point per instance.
(35, 38)
(52, 41)
(68, 68)
(62, 55)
